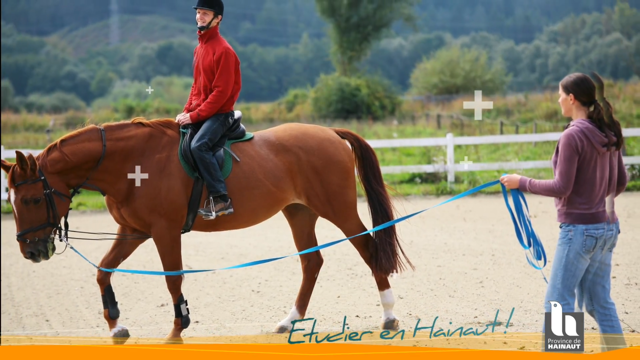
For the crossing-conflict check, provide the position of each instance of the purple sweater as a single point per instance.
(587, 177)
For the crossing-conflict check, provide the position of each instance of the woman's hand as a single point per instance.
(511, 181)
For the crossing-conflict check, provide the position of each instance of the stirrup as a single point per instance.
(208, 211)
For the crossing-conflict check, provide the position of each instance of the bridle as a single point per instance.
(53, 218)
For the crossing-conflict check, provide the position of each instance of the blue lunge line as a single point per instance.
(524, 231)
(527, 237)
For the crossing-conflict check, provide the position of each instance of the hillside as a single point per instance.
(132, 30)
(83, 62)
(281, 22)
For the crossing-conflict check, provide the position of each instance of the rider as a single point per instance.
(215, 89)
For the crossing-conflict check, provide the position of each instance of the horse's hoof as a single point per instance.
(391, 324)
(120, 335)
(281, 329)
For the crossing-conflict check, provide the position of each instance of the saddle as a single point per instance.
(235, 133)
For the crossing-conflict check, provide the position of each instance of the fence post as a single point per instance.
(5, 194)
(535, 131)
(438, 119)
(501, 125)
(451, 174)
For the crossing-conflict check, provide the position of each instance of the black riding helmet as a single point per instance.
(217, 6)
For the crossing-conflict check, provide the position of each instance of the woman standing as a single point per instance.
(588, 174)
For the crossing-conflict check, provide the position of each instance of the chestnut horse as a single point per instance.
(303, 170)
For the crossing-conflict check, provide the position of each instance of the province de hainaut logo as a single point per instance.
(563, 332)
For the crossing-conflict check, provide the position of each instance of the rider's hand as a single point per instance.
(183, 119)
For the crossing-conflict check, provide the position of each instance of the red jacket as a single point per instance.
(216, 77)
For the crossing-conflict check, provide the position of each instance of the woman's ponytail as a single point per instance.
(601, 113)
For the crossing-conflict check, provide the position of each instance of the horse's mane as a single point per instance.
(158, 124)
(164, 125)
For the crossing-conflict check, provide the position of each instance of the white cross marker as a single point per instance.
(137, 175)
(477, 104)
(149, 90)
(466, 162)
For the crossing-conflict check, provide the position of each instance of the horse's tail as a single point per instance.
(386, 247)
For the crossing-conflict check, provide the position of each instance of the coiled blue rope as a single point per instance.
(522, 223)
(527, 237)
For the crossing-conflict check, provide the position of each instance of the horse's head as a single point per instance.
(36, 210)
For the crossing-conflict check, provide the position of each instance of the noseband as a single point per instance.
(53, 218)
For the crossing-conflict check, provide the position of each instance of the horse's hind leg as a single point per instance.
(121, 249)
(364, 244)
(302, 221)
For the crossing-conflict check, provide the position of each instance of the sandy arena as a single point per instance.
(468, 261)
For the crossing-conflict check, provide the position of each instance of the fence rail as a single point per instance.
(449, 141)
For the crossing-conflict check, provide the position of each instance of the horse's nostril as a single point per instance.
(30, 255)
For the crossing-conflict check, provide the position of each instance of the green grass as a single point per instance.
(85, 201)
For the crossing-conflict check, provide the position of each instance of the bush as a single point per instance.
(55, 103)
(634, 172)
(359, 97)
(127, 109)
(633, 186)
(74, 120)
(173, 91)
(454, 70)
(293, 98)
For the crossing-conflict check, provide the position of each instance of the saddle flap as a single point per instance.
(190, 133)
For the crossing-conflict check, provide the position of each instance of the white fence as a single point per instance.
(449, 142)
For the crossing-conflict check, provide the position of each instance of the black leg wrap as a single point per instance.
(182, 311)
(109, 303)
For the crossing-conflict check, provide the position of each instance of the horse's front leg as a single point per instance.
(121, 249)
(168, 243)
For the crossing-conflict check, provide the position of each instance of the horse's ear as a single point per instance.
(33, 164)
(22, 162)
(6, 166)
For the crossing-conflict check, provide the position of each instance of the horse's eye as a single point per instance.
(26, 201)
(37, 201)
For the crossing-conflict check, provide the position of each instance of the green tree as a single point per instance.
(357, 24)
(102, 82)
(635, 55)
(175, 57)
(144, 65)
(454, 70)
(7, 95)
(394, 58)
(626, 20)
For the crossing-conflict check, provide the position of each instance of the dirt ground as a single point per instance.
(470, 268)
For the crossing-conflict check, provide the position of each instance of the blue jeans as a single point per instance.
(210, 137)
(582, 269)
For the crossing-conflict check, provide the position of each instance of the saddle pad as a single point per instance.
(228, 163)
